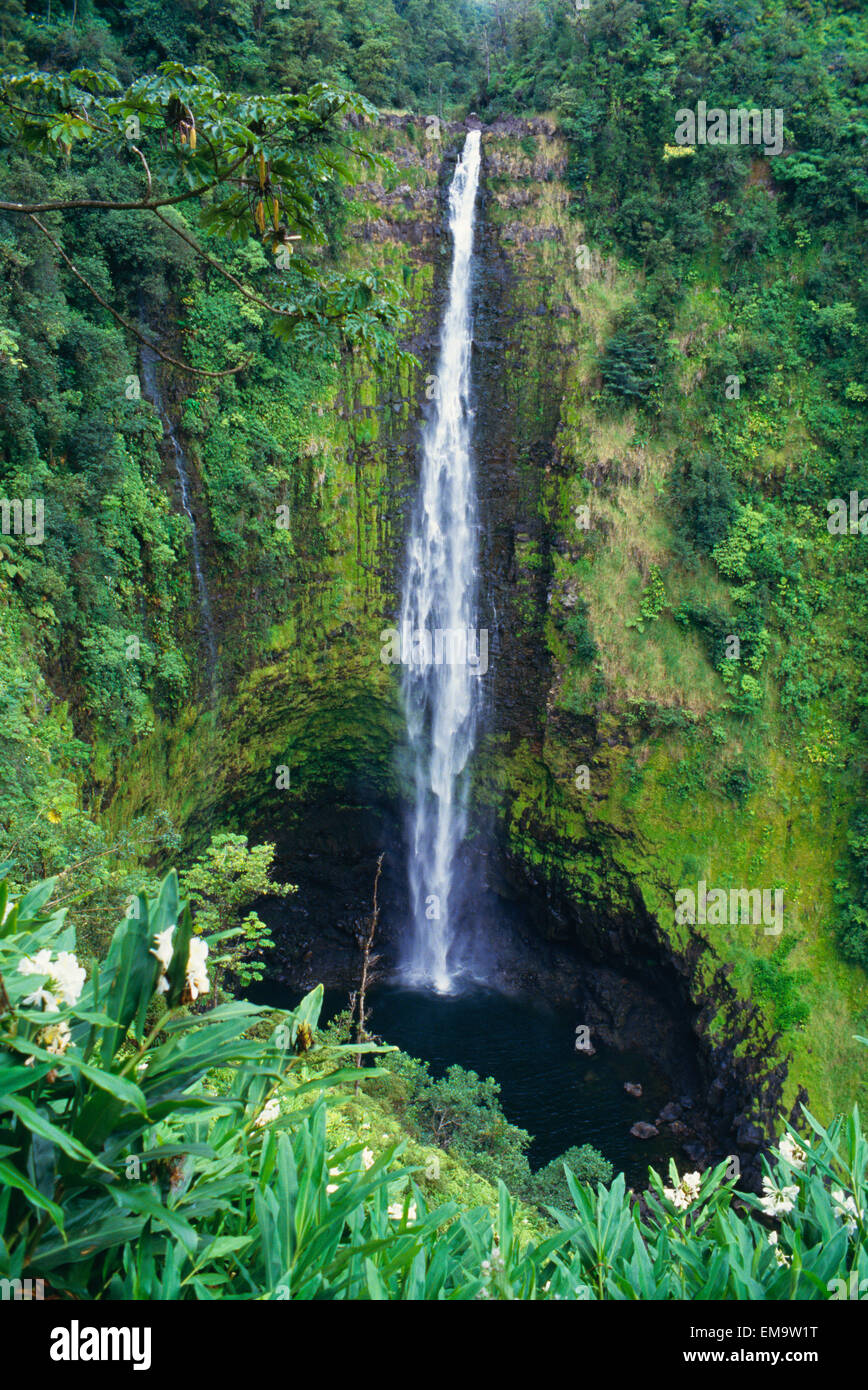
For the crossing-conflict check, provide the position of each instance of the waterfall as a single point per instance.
(441, 651)
(152, 393)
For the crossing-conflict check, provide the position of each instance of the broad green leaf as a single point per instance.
(12, 1178)
(35, 1121)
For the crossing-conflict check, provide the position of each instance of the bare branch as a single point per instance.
(137, 151)
(368, 962)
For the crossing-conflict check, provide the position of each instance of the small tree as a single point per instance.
(549, 1187)
(633, 362)
(220, 885)
(462, 1113)
(704, 490)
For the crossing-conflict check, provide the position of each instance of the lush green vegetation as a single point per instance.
(462, 1114)
(100, 620)
(757, 392)
(395, 52)
(153, 1149)
(712, 302)
(203, 179)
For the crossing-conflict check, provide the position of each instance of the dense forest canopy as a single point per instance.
(200, 182)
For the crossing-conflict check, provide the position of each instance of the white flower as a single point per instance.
(41, 998)
(777, 1202)
(691, 1183)
(686, 1193)
(56, 1039)
(65, 978)
(677, 1197)
(9, 906)
(40, 964)
(846, 1209)
(269, 1112)
(782, 1258)
(162, 947)
(331, 1187)
(68, 977)
(197, 977)
(396, 1211)
(791, 1151)
(367, 1158)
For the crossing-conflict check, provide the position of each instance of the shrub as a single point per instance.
(652, 602)
(549, 1186)
(224, 881)
(713, 625)
(772, 981)
(632, 363)
(706, 495)
(851, 894)
(581, 640)
(640, 222)
(462, 1113)
(738, 784)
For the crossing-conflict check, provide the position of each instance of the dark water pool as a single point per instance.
(559, 1095)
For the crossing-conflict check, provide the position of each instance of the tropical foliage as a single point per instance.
(149, 1151)
(182, 176)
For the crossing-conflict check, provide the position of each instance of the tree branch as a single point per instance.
(367, 963)
(254, 299)
(140, 204)
(173, 361)
(137, 151)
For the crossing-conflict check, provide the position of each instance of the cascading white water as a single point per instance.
(441, 649)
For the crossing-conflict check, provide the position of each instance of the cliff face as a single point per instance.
(606, 745)
(612, 755)
(307, 707)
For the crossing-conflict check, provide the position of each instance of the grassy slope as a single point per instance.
(655, 801)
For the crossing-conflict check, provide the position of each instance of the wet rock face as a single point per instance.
(602, 952)
(639, 988)
(331, 855)
(517, 398)
(525, 335)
